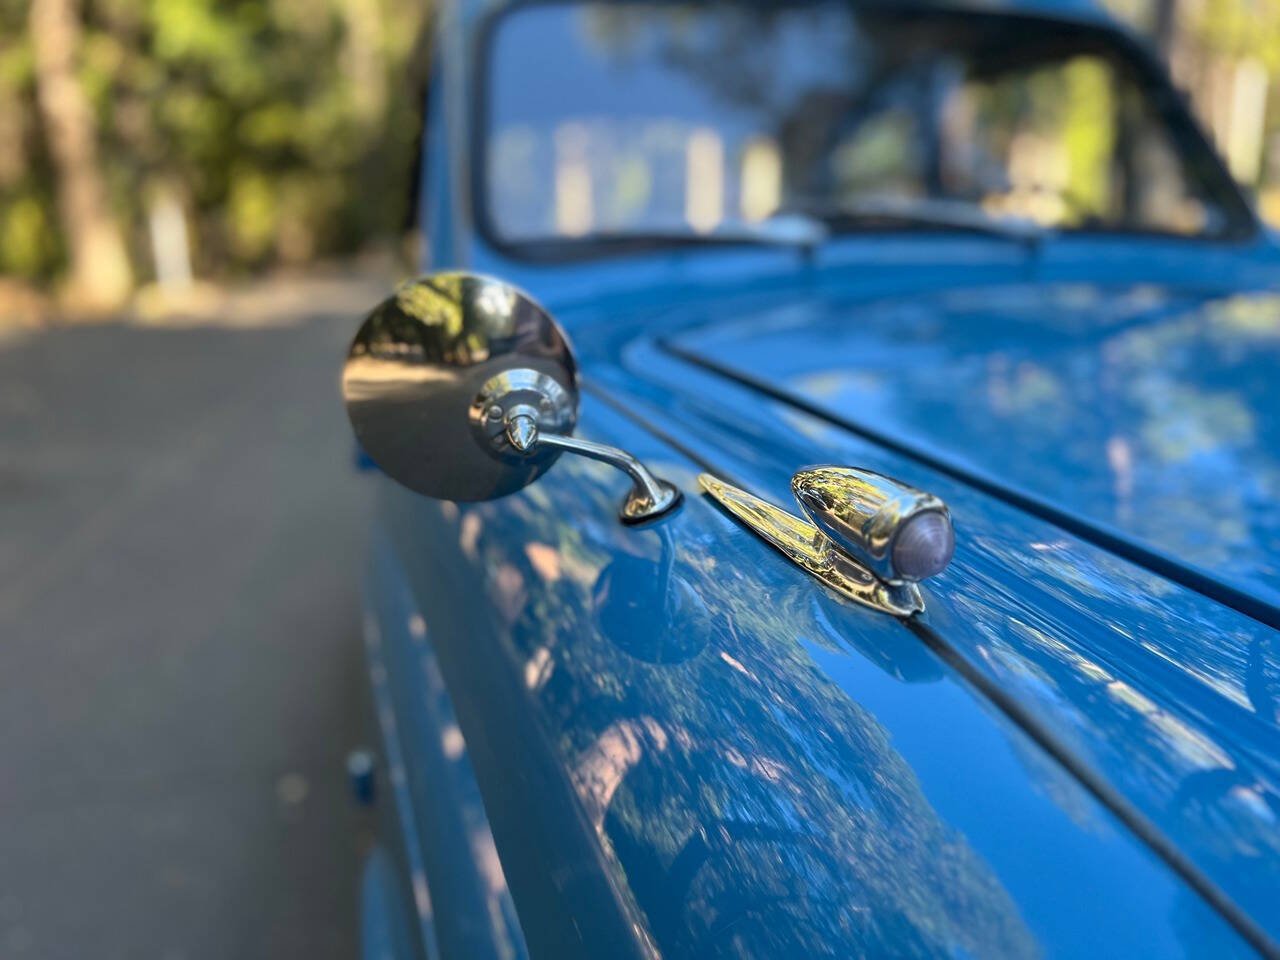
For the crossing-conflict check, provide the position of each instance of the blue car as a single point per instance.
(827, 496)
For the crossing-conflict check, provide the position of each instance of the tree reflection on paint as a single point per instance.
(767, 815)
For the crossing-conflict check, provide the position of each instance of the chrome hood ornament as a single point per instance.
(868, 537)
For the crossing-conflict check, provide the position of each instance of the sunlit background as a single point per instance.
(178, 141)
(198, 198)
(149, 149)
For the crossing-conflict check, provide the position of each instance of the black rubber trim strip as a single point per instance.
(1193, 579)
(1026, 721)
(1102, 791)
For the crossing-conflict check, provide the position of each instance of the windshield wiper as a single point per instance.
(795, 231)
(924, 212)
(782, 230)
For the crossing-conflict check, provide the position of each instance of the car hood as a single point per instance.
(689, 748)
(1146, 414)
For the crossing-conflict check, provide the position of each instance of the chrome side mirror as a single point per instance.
(460, 387)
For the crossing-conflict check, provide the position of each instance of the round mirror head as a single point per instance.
(436, 369)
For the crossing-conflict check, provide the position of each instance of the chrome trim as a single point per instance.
(865, 512)
(521, 392)
(806, 545)
(649, 496)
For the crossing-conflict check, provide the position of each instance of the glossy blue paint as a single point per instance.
(764, 769)
(459, 890)
(384, 931)
(1165, 695)
(1145, 410)
(668, 741)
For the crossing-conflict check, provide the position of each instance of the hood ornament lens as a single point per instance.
(897, 532)
(867, 536)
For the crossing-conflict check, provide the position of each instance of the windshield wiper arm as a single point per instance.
(925, 212)
(783, 230)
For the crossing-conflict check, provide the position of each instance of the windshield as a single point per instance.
(671, 120)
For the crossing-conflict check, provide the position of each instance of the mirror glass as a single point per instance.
(421, 374)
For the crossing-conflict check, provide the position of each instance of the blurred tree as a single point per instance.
(157, 139)
(145, 139)
(100, 274)
(1226, 55)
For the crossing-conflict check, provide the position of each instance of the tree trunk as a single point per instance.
(1164, 28)
(101, 278)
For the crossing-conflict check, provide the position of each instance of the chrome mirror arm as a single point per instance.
(649, 496)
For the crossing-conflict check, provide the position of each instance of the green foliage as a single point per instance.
(1239, 30)
(27, 240)
(1088, 130)
(287, 128)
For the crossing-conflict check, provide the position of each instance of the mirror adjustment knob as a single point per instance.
(522, 431)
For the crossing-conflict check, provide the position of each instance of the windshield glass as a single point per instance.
(668, 119)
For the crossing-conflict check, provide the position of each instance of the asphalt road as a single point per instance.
(180, 671)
